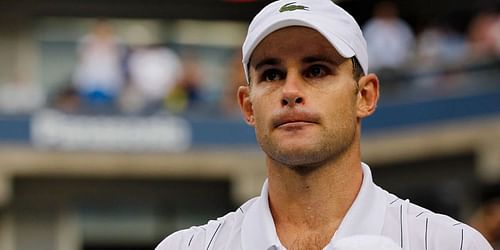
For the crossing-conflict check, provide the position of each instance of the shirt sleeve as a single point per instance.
(172, 242)
(193, 238)
(187, 239)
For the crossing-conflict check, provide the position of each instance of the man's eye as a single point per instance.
(272, 75)
(316, 71)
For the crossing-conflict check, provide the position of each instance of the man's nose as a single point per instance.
(292, 93)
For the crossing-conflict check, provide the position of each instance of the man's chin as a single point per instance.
(305, 169)
(300, 160)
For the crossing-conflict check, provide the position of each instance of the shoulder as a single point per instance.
(444, 231)
(192, 238)
(428, 230)
(223, 229)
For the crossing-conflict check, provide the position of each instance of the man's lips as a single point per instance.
(293, 123)
(295, 118)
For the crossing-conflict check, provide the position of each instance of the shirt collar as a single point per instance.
(367, 213)
(366, 216)
(258, 230)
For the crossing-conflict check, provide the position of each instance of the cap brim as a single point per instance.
(342, 47)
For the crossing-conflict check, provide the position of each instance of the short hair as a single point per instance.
(357, 70)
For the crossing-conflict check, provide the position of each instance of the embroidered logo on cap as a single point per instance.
(291, 7)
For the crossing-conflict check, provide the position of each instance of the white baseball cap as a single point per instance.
(333, 22)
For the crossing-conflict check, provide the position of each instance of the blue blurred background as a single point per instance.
(119, 122)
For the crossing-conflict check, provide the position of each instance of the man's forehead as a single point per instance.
(294, 42)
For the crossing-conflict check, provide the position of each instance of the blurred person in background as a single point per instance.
(186, 96)
(66, 100)
(487, 221)
(229, 104)
(484, 35)
(99, 76)
(20, 96)
(486, 218)
(154, 70)
(309, 88)
(440, 45)
(390, 39)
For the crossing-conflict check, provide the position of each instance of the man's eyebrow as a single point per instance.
(322, 58)
(267, 61)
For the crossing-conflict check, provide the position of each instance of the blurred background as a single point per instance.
(119, 122)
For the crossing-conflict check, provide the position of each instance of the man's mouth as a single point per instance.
(294, 123)
(295, 119)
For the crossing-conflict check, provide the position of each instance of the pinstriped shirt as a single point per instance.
(374, 212)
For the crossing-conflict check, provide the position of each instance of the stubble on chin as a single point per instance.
(311, 155)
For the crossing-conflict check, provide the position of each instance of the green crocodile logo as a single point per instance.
(291, 7)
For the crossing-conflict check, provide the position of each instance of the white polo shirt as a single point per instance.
(374, 212)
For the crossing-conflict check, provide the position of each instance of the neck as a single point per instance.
(312, 205)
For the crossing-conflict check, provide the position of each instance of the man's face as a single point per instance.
(302, 99)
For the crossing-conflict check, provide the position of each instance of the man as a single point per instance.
(308, 90)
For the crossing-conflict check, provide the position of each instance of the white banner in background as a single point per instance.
(52, 129)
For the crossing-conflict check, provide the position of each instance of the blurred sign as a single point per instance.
(55, 130)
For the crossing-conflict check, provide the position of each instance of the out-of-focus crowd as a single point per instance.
(111, 76)
(392, 43)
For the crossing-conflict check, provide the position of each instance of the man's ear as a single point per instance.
(246, 104)
(368, 95)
